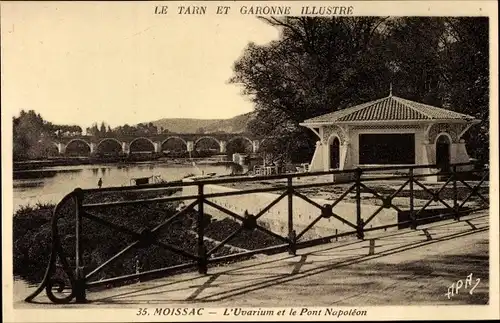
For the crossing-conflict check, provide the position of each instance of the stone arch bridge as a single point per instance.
(157, 141)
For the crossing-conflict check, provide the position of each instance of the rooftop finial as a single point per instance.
(390, 89)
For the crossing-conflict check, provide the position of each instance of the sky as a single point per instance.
(79, 63)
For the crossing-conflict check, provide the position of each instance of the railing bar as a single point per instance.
(474, 190)
(277, 236)
(143, 201)
(424, 188)
(371, 191)
(226, 240)
(189, 207)
(393, 195)
(373, 215)
(117, 227)
(341, 197)
(249, 253)
(477, 191)
(308, 243)
(243, 192)
(308, 200)
(112, 259)
(139, 275)
(302, 244)
(176, 250)
(222, 194)
(396, 208)
(137, 235)
(313, 185)
(309, 227)
(222, 209)
(260, 178)
(270, 205)
(423, 208)
(338, 217)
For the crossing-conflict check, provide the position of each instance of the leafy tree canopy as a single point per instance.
(319, 65)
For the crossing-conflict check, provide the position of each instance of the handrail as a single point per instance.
(202, 200)
(260, 178)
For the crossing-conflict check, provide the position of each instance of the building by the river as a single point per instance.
(389, 131)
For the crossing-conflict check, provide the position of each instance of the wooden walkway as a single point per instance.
(387, 268)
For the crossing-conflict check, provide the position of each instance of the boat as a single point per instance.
(154, 179)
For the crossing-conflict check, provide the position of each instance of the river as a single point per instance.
(49, 185)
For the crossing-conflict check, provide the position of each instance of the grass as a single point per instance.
(33, 236)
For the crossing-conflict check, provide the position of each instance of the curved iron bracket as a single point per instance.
(49, 282)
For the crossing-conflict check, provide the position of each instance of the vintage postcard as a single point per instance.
(246, 161)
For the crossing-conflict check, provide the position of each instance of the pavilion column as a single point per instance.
(459, 154)
(325, 155)
(427, 156)
(317, 162)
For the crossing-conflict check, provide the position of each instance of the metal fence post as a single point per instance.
(202, 252)
(291, 232)
(412, 207)
(359, 220)
(455, 193)
(80, 286)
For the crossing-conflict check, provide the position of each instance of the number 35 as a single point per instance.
(142, 311)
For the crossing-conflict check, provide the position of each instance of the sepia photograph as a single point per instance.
(180, 161)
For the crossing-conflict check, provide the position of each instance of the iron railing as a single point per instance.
(355, 181)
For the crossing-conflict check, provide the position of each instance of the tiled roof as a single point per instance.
(390, 108)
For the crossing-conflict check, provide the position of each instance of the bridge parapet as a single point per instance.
(157, 141)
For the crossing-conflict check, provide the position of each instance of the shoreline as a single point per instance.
(39, 164)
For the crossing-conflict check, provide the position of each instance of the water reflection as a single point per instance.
(49, 185)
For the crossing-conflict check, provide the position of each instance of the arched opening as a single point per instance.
(109, 147)
(77, 148)
(141, 146)
(206, 146)
(443, 144)
(241, 145)
(52, 151)
(335, 153)
(174, 147)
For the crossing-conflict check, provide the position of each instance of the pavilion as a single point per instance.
(389, 131)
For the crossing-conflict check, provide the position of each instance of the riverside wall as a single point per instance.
(276, 219)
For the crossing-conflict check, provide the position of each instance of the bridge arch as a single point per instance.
(98, 146)
(174, 137)
(213, 139)
(79, 140)
(239, 137)
(141, 138)
(240, 144)
(109, 139)
(67, 149)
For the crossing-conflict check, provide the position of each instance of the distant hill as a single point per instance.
(185, 125)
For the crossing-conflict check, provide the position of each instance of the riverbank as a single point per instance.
(32, 235)
(78, 161)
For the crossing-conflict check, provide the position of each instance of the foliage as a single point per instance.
(32, 135)
(32, 235)
(319, 65)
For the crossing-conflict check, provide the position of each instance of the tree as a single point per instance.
(316, 66)
(320, 64)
